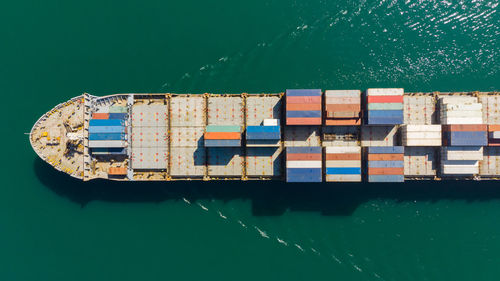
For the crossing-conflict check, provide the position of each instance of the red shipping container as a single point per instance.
(304, 121)
(303, 156)
(385, 171)
(465, 128)
(343, 156)
(96, 115)
(492, 142)
(385, 157)
(385, 99)
(343, 107)
(222, 136)
(307, 106)
(117, 170)
(302, 100)
(343, 122)
(493, 128)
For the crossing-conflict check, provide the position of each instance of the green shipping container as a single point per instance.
(223, 128)
(118, 109)
(384, 106)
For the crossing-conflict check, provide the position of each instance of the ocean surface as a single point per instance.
(55, 228)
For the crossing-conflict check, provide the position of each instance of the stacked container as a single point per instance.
(460, 110)
(493, 135)
(385, 164)
(106, 133)
(263, 135)
(343, 164)
(465, 135)
(222, 136)
(303, 107)
(421, 135)
(342, 107)
(384, 106)
(303, 164)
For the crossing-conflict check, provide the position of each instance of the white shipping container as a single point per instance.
(422, 128)
(490, 165)
(342, 149)
(271, 122)
(463, 107)
(343, 93)
(465, 170)
(468, 113)
(422, 135)
(461, 120)
(342, 163)
(460, 163)
(495, 135)
(457, 99)
(385, 92)
(462, 153)
(107, 143)
(343, 178)
(422, 142)
(303, 164)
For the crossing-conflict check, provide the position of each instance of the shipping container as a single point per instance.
(385, 113)
(303, 164)
(457, 99)
(343, 178)
(344, 156)
(343, 107)
(302, 114)
(490, 165)
(107, 129)
(386, 178)
(385, 106)
(303, 121)
(343, 163)
(303, 175)
(222, 143)
(261, 108)
(343, 122)
(263, 129)
(465, 128)
(303, 156)
(303, 92)
(491, 104)
(303, 106)
(97, 115)
(385, 92)
(386, 171)
(343, 93)
(462, 120)
(303, 100)
(420, 109)
(493, 128)
(262, 143)
(222, 136)
(386, 164)
(340, 100)
(311, 149)
(107, 143)
(271, 122)
(385, 150)
(343, 114)
(118, 109)
(343, 171)
(343, 149)
(386, 157)
(420, 161)
(461, 138)
(462, 152)
(263, 136)
(107, 136)
(106, 122)
(222, 128)
(462, 107)
(118, 115)
(494, 135)
(108, 151)
(118, 171)
(385, 99)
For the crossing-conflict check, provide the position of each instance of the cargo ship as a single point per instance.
(300, 135)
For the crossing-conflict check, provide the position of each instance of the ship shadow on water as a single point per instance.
(268, 198)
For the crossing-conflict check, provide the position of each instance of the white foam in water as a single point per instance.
(203, 207)
(242, 224)
(185, 200)
(299, 247)
(336, 259)
(282, 241)
(262, 233)
(221, 215)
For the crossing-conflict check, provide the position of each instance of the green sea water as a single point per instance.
(55, 228)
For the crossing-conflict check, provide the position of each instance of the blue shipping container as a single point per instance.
(305, 149)
(385, 164)
(222, 143)
(263, 136)
(106, 136)
(303, 113)
(106, 122)
(386, 149)
(386, 178)
(263, 129)
(303, 175)
(467, 138)
(343, 171)
(109, 150)
(385, 113)
(118, 116)
(384, 121)
(303, 92)
(107, 129)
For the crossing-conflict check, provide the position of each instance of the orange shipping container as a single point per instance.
(302, 100)
(343, 156)
(117, 170)
(343, 122)
(342, 114)
(96, 115)
(343, 107)
(305, 106)
(465, 128)
(385, 171)
(222, 136)
(342, 101)
(303, 156)
(304, 121)
(493, 128)
(385, 157)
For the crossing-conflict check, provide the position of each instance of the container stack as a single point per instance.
(263, 136)
(303, 164)
(107, 133)
(421, 135)
(386, 164)
(343, 164)
(303, 107)
(385, 106)
(465, 135)
(222, 136)
(493, 135)
(343, 107)
(460, 110)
